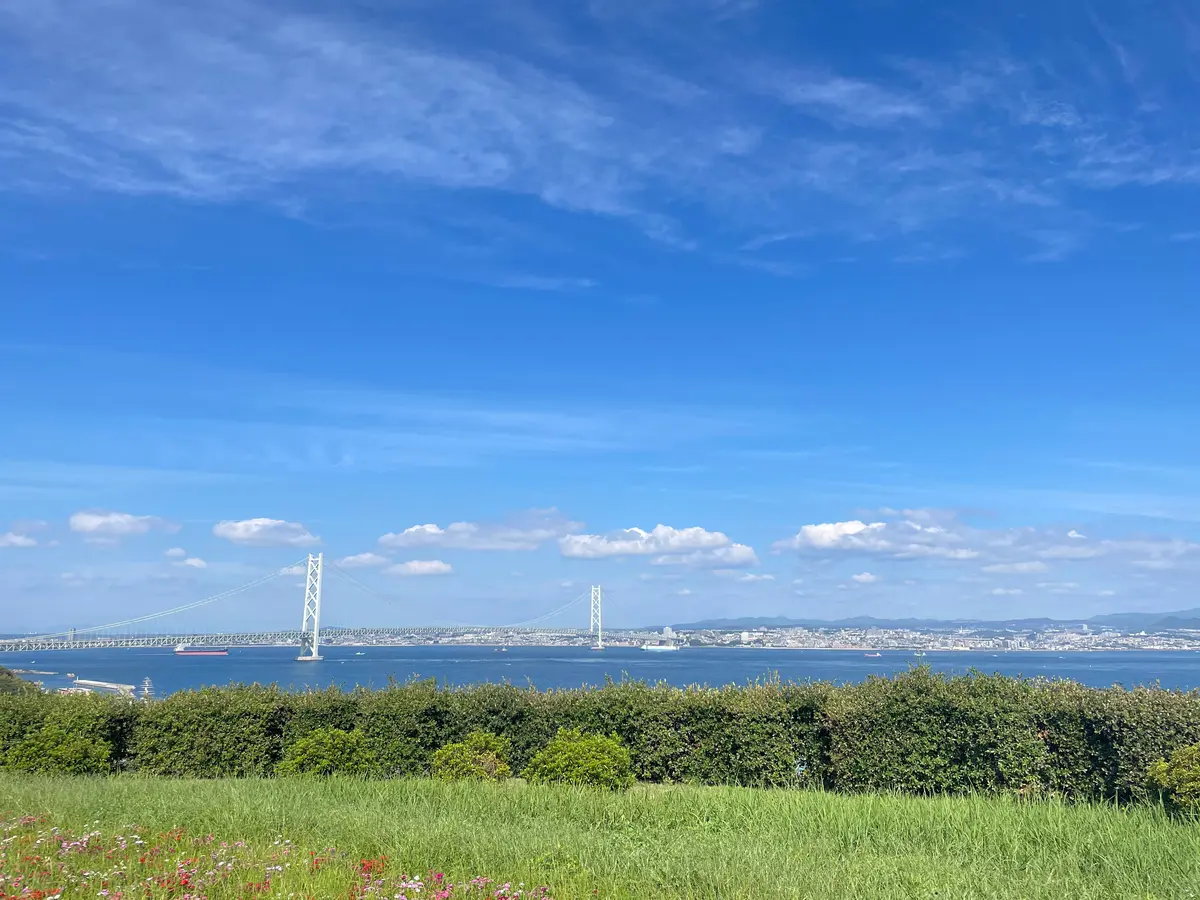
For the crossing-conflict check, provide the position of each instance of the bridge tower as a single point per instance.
(595, 626)
(310, 630)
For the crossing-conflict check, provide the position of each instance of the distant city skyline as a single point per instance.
(736, 308)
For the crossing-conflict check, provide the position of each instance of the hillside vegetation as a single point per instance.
(12, 683)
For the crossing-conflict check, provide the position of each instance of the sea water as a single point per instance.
(567, 667)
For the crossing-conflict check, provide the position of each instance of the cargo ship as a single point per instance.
(190, 650)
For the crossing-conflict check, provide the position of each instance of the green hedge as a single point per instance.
(918, 732)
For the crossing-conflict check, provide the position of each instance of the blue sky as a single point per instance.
(846, 308)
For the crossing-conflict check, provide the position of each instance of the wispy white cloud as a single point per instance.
(242, 98)
(733, 556)
(865, 578)
(1025, 567)
(544, 283)
(363, 561)
(526, 532)
(13, 539)
(745, 577)
(420, 567)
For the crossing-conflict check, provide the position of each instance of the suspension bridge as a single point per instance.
(310, 636)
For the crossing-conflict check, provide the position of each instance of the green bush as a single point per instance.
(573, 757)
(235, 731)
(483, 756)
(927, 733)
(916, 732)
(1178, 779)
(328, 751)
(53, 750)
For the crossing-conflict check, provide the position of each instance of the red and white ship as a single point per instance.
(190, 650)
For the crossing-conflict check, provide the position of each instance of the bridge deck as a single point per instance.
(329, 637)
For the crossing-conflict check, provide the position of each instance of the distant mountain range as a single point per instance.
(1131, 621)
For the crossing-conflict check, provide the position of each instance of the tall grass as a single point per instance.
(677, 842)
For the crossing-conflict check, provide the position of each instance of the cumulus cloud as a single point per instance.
(1007, 592)
(865, 578)
(363, 561)
(662, 540)
(1016, 568)
(1075, 535)
(103, 526)
(527, 532)
(175, 553)
(12, 539)
(419, 567)
(735, 556)
(908, 538)
(193, 562)
(265, 533)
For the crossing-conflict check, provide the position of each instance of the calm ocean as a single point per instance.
(553, 667)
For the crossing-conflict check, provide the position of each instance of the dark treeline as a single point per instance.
(919, 732)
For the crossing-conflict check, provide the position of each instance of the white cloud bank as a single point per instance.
(265, 533)
(366, 560)
(937, 535)
(662, 539)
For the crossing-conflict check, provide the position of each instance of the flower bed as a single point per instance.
(39, 861)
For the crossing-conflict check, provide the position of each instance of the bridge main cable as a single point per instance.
(195, 604)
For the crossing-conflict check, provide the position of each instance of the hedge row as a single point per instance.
(918, 732)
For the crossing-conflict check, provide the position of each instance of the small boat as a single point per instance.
(873, 655)
(501, 650)
(192, 650)
(360, 653)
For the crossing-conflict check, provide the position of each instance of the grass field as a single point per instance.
(649, 843)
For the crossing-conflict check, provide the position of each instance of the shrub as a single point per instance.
(927, 733)
(231, 732)
(327, 751)
(53, 750)
(483, 756)
(1178, 779)
(573, 757)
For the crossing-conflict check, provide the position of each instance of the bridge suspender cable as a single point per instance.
(381, 596)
